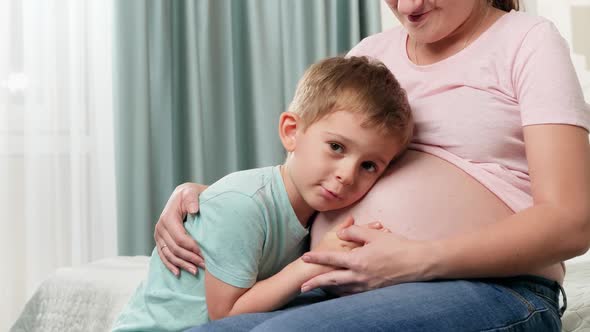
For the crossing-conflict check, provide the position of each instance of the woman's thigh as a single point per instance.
(464, 305)
(247, 322)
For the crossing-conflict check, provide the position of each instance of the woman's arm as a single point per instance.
(175, 247)
(554, 229)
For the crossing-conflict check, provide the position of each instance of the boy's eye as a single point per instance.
(336, 147)
(369, 166)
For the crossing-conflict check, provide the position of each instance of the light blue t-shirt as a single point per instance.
(247, 231)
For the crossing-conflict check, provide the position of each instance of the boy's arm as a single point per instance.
(225, 300)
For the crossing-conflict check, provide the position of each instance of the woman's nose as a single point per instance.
(408, 7)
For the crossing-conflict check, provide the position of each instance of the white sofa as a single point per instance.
(89, 297)
(83, 298)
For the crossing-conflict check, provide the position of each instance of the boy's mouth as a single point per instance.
(329, 194)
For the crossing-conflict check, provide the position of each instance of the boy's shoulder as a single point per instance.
(242, 183)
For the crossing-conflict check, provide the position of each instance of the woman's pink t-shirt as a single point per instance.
(470, 108)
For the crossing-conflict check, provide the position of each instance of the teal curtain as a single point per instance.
(199, 86)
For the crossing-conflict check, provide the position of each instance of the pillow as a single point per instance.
(577, 289)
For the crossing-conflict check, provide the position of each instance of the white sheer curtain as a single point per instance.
(57, 192)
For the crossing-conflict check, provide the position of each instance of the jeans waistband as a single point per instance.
(547, 287)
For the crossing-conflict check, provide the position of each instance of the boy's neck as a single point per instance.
(303, 211)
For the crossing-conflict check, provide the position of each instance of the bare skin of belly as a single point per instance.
(423, 197)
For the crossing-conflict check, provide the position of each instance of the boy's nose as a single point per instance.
(346, 173)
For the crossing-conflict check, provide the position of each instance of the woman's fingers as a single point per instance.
(189, 197)
(337, 259)
(166, 262)
(159, 239)
(363, 268)
(358, 234)
(167, 255)
(175, 247)
(172, 241)
(172, 262)
(179, 256)
(346, 223)
(374, 225)
(182, 244)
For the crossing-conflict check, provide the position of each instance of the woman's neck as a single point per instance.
(463, 36)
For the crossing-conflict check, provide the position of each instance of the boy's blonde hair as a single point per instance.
(355, 84)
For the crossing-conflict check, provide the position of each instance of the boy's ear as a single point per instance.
(288, 125)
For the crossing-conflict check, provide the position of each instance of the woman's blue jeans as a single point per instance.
(526, 303)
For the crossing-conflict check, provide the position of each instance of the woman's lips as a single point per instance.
(416, 18)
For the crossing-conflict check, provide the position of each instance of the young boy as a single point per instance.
(348, 120)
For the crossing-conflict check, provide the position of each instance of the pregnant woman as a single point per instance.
(492, 196)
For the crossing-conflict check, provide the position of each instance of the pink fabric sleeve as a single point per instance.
(546, 84)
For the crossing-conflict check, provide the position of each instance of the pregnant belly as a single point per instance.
(424, 197)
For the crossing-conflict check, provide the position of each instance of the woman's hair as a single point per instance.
(506, 5)
(354, 84)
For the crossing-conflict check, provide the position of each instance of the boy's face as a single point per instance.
(335, 161)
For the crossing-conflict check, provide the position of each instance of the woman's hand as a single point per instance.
(175, 247)
(384, 259)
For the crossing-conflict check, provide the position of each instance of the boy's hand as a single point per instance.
(331, 241)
